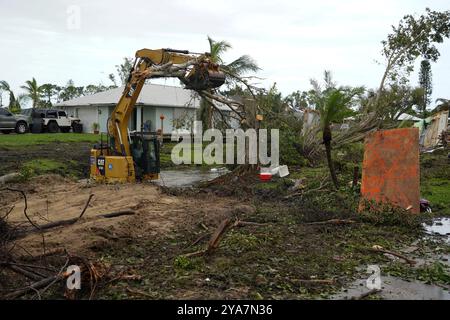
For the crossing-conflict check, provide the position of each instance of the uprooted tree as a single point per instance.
(414, 37)
(234, 71)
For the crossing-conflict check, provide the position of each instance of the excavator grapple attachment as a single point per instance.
(204, 76)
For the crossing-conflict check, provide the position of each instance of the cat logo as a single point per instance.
(101, 165)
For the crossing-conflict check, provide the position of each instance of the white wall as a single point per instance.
(90, 114)
(168, 119)
(103, 115)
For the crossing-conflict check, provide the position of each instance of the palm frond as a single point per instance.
(334, 106)
(242, 65)
(5, 85)
(217, 48)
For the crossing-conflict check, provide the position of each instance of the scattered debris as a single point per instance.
(118, 214)
(314, 281)
(425, 206)
(398, 255)
(297, 185)
(323, 184)
(366, 294)
(281, 171)
(218, 234)
(265, 174)
(332, 221)
(437, 124)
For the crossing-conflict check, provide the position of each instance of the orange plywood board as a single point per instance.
(391, 168)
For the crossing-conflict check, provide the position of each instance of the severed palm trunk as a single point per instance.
(327, 142)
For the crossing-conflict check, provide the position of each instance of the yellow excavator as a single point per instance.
(127, 157)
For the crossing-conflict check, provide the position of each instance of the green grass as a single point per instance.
(437, 191)
(42, 166)
(166, 155)
(23, 140)
(435, 181)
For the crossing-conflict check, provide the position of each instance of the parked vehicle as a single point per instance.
(53, 121)
(12, 122)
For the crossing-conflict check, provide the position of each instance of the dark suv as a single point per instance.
(12, 122)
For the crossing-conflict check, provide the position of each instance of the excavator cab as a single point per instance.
(145, 149)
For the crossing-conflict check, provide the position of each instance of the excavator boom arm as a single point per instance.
(199, 74)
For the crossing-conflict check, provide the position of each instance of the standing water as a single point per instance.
(188, 177)
(439, 227)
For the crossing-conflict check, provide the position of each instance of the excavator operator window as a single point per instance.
(145, 151)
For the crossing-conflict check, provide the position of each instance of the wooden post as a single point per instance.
(162, 128)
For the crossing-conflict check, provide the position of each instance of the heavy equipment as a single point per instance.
(127, 157)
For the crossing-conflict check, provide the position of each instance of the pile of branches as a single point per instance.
(38, 276)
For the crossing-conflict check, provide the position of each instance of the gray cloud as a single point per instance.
(292, 41)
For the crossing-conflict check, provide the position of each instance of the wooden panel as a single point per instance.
(391, 168)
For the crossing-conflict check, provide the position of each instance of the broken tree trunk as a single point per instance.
(214, 241)
(118, 214)
(33, 287)
(398, 255)
(218, 234)
(332, 221)
(26, 273)
(314, 281)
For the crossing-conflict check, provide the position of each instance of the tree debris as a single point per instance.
(118, 214)
(331, 221)
(218, 234)
(39, 228)
(398, 255)
(365, 294)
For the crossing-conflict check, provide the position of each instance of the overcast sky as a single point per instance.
(292, 41)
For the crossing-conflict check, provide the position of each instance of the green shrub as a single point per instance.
(184, 263)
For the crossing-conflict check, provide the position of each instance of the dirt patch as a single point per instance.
(52, 198)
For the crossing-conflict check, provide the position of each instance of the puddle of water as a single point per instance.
(397, 289)
(188, 177)
(440, 227)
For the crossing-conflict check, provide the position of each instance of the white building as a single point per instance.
(177, 105)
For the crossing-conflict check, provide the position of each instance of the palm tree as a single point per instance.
(333, 106)
(4, 86)
(18, 103)
(234, 69)
(33, 92)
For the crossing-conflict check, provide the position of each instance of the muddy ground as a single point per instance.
(285, 256)
(73, 157)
